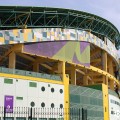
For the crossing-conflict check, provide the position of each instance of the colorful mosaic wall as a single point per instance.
(71, 51)
(51, 34)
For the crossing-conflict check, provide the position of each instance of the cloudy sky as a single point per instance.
(108, 9)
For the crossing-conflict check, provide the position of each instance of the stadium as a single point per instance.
(58, 64)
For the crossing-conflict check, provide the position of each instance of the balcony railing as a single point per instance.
(29, 73)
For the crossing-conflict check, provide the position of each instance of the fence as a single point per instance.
(26, 113)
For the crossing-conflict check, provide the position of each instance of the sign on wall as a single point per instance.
(8, 103)
(114, 107)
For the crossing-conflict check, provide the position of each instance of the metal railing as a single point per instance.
(29, 73)
(26, 113)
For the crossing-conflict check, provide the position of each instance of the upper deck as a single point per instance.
(12, 17)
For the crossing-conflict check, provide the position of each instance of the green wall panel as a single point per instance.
(97, 87)
(88, 98)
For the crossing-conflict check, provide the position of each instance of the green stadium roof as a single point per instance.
(12, 17)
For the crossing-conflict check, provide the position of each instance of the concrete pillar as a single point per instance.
(104, 66)
(110, 66)
(85, 80)
(105, 102)
(61, 69)
(73, 76)
(12, 60)
(36, 67)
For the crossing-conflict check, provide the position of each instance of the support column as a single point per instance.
(105, 80)
(110, 66)
(66, 98)
(104, 66)
(61, 69)
(12, 60)
(111, 83)
(73, 76)
(36, 67)
(65, 78)
(104, 60)
(105, 101)
(105, 40)
(85, 80)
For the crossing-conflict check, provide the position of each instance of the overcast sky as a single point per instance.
(108, 9)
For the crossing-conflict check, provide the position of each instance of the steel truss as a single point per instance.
(41, 17)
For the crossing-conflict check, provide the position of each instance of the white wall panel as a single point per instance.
(24, 94)
(9, 89)
(32, 99)
(21, 103)
(114, 108)
(43, 93)
(21, 88)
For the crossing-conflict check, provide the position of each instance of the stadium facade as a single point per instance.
(58, 64)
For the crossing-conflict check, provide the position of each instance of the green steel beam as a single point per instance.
(39, 17)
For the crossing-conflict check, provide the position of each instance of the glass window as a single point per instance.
(19, 98)
(42, 104)
(8, 81)
(32, 84)
(43, 89)
(52, 90)
(61, 91)
(52, 105)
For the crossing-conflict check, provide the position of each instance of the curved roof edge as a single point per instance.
(15, 16)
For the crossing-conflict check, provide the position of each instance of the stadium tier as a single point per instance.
(58, 64)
